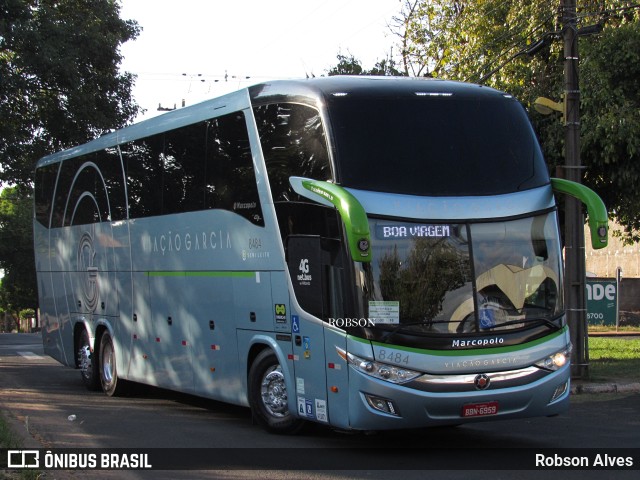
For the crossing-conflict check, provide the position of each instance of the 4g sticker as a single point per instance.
(304, 265)
(304, 277)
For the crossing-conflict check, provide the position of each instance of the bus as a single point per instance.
(364, 253)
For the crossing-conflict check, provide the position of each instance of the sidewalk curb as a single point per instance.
(580, 388)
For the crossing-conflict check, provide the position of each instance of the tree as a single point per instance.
(513, 45)
(610, 119)
(59, 78)
(425, 29)
(350, 65)
(385, 67)
(18, 288)
(477, 40)
(347, 65)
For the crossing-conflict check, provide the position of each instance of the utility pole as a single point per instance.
(575, 270)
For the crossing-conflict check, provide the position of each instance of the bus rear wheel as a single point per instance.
(87, 362)
(268, 395)
(111, 384)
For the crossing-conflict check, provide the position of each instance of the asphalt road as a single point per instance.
(47, 403)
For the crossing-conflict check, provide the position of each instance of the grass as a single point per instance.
(614, 359)
(8, 439)
(613, 329)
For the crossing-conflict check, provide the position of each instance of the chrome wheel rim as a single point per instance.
(274, 392)
(84, 361)
(107, 364)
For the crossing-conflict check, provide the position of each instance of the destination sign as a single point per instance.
(411, 230)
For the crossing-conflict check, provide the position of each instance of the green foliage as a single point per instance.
(349, 65)
(18, 288)
(60, 85)
(8, 438)
(59, 78)
(385, 67)
(611, 121)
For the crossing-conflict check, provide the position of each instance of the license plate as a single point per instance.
(480, 409)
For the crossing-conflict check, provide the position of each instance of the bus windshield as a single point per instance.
(463, 278)
(435, 145)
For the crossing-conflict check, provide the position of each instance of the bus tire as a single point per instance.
(268, 395)
(111, 384)
(87, 362)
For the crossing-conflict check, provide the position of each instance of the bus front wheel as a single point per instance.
(268, 395)
(111, 385)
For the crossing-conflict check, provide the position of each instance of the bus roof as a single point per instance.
(312, 91)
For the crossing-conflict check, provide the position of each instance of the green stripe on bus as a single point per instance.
(461, 353)
(200, 273)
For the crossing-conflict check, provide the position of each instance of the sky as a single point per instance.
(192, 50)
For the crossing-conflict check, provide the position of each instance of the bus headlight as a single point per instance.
(383, 371)
(557, 360)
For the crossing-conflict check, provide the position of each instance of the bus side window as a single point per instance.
(230, 180)
(65, 178)
(206, 165)
(45, 185)
(143, 168)
(297, 218)
(294, 144)
(110, 166)
(90, 190)
(184, 167)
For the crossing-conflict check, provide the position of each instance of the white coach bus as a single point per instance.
(367, 253)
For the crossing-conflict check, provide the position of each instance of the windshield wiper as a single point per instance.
(400, 326)
(549, 323)
(545, 321)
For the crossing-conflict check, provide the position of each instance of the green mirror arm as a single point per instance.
(598, 218)
(352, 213)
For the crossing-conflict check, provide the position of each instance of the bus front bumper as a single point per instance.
(378, 405)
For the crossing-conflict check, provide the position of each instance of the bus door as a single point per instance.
(317, 286)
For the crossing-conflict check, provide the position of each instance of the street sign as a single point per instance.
(602, 301)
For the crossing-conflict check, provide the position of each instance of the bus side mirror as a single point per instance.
(351, 211)
(597, 212)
